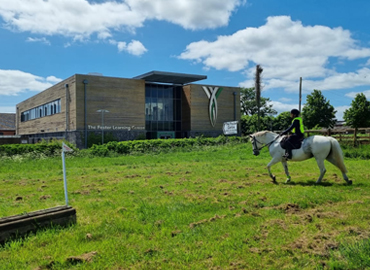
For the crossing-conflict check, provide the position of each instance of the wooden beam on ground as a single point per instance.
(17, 226)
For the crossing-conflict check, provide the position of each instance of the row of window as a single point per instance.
(41, 111)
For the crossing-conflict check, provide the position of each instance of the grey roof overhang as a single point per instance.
(170, 77)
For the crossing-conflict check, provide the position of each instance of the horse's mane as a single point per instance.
(262, 133)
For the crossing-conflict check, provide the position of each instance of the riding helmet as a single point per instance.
(295, 112)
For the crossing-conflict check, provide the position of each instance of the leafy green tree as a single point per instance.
(248, 103)
(358, 115)
(249, 123)
(318, 112)
(282, 121)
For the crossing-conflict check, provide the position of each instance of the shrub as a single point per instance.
(48, 149)
(160, 145)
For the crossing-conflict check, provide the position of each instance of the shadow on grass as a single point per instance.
(309, 183)
(323, 184)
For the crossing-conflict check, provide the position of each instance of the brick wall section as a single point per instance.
(123, 98)
(7, 123)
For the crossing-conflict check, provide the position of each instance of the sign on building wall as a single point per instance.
(230, 128)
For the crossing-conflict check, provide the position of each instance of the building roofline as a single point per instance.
(170, 77)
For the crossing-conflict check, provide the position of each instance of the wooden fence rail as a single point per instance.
(362, 136)
(20, 225)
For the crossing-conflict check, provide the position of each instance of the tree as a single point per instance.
(358, 115)
(318, 112)
(282, 121)
(248, 103)
(249, 124)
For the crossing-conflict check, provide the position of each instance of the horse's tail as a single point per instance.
(336, 155)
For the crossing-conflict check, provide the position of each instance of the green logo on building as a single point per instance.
(212, 94)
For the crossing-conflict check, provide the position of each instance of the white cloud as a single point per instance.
(353, 94)
(283, 107)
(135, 47)
(190, 14)
(14, 82)
(41, 40)
(80, 19)
(285, 99)
(340, 112)
(74, 18)
(287, 50)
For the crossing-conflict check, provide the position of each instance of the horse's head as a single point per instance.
(256, 150)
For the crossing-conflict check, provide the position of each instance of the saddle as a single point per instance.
(295, 145)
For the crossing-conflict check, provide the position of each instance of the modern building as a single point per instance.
(153, 105)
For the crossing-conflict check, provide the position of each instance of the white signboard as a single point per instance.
(230, 128)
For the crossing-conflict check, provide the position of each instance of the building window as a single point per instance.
(162, 107)
(41, 111)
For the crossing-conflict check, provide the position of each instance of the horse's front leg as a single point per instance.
(285, 165)
(271, 163)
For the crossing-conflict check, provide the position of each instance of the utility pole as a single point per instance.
(300, 93)
(258, 92)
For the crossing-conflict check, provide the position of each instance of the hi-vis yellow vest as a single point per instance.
(300, 125)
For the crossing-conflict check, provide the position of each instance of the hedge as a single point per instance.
(124, 147)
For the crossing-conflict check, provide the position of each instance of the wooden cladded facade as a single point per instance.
(124, 99)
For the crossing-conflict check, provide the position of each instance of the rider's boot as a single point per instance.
(288, 153)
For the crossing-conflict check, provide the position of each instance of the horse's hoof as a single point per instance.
(287, 180)
(349, 182)
(274, 179)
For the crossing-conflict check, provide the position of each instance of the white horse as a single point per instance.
(319, 147)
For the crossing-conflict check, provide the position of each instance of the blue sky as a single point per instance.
(327, 43)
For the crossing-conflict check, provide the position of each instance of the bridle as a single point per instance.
(256, 149)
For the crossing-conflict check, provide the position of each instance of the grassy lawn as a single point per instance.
(212, 208)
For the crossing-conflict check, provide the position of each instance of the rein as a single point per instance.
(255, 141)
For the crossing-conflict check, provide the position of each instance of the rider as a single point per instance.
(297, 131)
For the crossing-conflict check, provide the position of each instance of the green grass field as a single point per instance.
(212, 208)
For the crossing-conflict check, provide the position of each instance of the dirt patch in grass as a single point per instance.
(320, 244)
(290, 208)
(87, 257)
(203, 221)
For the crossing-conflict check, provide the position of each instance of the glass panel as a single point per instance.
(178, 126)
(167, 92)
(160, 126)
(154, 92)
(178, 110)
(160, 92)
(148, 91)
(178, 91)
(148, 109)
(168, 110)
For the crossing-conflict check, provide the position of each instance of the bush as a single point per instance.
(48, 149)
(160, 145)
(360, 152)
